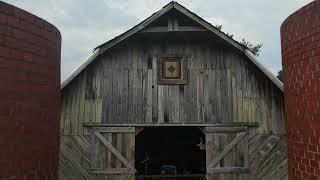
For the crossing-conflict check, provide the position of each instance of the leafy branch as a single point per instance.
(254, 48)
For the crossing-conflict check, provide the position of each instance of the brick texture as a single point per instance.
(29, 93)
(300, 36)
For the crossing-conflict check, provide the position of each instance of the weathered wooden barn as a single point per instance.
(172, 98)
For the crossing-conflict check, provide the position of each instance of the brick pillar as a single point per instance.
(29, 96)
(300, 36)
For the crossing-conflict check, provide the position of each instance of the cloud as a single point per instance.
(85, 24)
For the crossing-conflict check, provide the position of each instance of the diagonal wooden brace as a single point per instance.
(113, 150)
(215, 161)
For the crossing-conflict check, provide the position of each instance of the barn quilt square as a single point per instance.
(171, 68)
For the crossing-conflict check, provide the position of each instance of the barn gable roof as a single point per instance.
(173, 5)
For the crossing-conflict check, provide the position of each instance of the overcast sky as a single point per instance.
(84, 24)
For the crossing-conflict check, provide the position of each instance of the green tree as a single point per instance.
(279, 76)
(254, 48)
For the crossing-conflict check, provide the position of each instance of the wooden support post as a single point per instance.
(175, 24)
(170, 24)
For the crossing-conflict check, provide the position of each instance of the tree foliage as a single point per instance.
(254, 48)
(279, 76)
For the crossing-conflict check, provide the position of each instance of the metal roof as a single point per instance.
(173, 5)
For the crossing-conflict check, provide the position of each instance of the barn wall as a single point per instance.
(121, 87)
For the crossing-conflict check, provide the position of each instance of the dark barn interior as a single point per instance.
(178, 147)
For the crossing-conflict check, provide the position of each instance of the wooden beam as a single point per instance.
(192, 28)
(139, 130)
(155, 29)
(224, 170)
(113, 150)
(173, 176)
(175, 24)
(216, 160)
(170, 24)
(234, 129)
(246, 124)
(114, 129)
(111, 171)
(180, 29)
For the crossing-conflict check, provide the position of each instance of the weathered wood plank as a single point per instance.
(200, 101)
(125, 96)
(118, 88)
(149, 97)
(253, 125)
(68, 117)
(62, 113)
(175, 24)
(73, 110)
(155, 106)
(213, 115)
(165, 102)
(212, 150)
(218, 95)
(113, 150)
(227, 149)
(94, 152)
(170, 104)
(119, 150)
(193, 96)
(226, 129)
(114, 129)
(82, 104)
(98, 100)
(207, 105)
(113, 104)
(227, 170)
(109, 155)
(118, 171)
(108, 96)
(161, 103)
(131, 96)
(234, 89)
(170, 24)
(229, 96)
(130, 151)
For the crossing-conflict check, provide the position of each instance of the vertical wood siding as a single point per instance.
(121, 87)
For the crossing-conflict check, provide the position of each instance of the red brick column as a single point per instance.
(29, 96)
(300, 35)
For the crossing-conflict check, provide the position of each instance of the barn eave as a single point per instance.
(80, 68)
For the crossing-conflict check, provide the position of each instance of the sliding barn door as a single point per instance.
(112, 153)
(227, 153)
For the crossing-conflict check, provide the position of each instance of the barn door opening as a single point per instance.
(167, 151)
(227, 153)
(112, 152)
